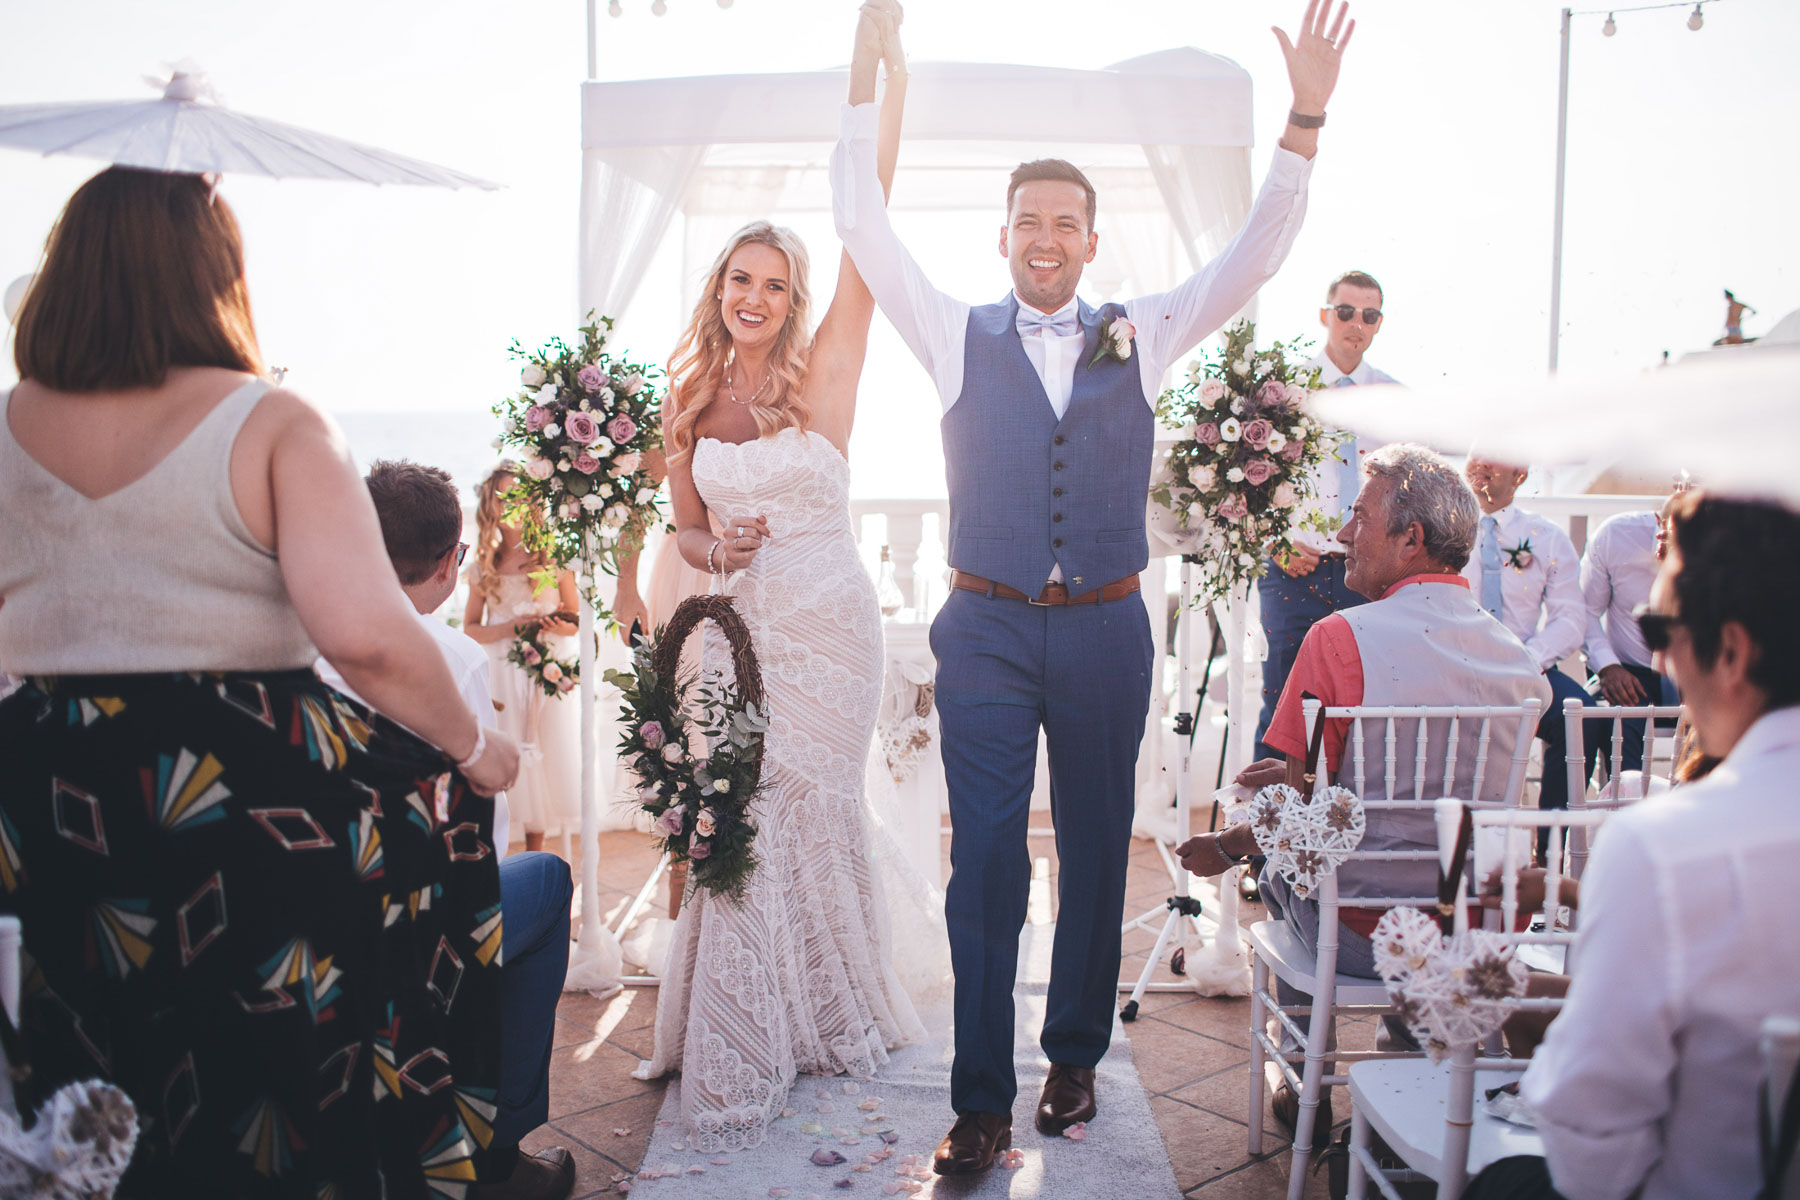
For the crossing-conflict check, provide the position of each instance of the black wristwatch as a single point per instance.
(1301, 121)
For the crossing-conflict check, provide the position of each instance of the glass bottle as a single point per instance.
(887, 588)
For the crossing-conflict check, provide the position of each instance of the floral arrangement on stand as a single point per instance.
(1244, 472)
(583, 424)
(696, 744)
(530, 651)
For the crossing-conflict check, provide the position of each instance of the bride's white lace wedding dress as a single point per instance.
(799, 977)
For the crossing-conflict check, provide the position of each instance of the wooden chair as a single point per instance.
(1425, 1112)
(1276, 950)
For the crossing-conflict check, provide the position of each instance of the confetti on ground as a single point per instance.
(623, 1186)
(789, 1112)
(825, 1157)
(1012, 1160)
(664, 1124)
(721, 1162)
(825, 1107)
(812, 1127)
(621, 1133)
(849, 1141)
(850, 1089)
(821, 1093)
(869, 1105)
(696, 1170)
(890, 1137)
(1076, 1132)
(779, 1193)
(861, 1168)
(846, 1182)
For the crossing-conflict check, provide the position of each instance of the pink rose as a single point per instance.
(1272, 392)
(565, 684)
(1208, 434)
(652, 734)
(670, 821)
(552, 672)
(1257, 471)
(539, 468)
(530, 654)
(1256, 433)
(591, 378)
(1234, 508)
(625, 464)
(698, 850)
(1292, 451)
(536, 417)
(586, 463)
(621, 429)
(582, 429)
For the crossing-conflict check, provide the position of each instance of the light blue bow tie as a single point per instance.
(1061, 324)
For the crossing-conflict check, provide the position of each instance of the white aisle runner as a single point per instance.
(1123, 1154)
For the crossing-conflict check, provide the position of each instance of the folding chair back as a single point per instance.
(1577, 718)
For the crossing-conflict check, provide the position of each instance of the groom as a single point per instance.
(1048, 429)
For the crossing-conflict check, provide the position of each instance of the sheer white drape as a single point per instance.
(629, 197)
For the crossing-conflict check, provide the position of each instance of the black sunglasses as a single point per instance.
(1347, 312)
(462, 552)
(1654, 626)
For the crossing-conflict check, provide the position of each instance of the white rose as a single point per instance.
(1203, 477)
(626, 463)
(1230, 429)
(646, 495)
(592, 502)
(605, 489)
(1235, 475)
(1212, 391)
(532, 376)
(1237, 406)
(1193, 372)
(703, 823)
(1241, 367)
(552, 429)
(721, 786)
(552, 672)
(1283, 496)
(672, 752)
(1277, 443)
(606, 395)
(547, 394)
(633, 383)
(615, 517)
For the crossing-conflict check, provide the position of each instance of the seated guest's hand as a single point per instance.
(1262, 773)
(1531, 890)
(1621, 688)
(497, 768)
(1203, 855)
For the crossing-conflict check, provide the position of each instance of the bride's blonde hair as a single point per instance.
(697, 367)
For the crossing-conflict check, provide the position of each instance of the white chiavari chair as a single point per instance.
(1610, 787)
(1436, 741)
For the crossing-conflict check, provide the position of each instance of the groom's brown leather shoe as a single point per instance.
(973, 1141)
(1068, 1099)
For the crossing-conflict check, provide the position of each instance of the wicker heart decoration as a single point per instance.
(1305, 840)
(1451, 991)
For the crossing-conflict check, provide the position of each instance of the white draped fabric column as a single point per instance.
(595, 961)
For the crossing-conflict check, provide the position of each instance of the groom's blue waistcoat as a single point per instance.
(1027, 491)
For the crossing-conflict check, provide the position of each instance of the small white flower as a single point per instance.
(1237, 406)
(721, 786)
(1247, 560)
(1230, 429)
(1241, 367)
(552, 429)
(646, 495)
(547, 394)
(1119, 333)
(1212, 391)
(585, 406)
(532, 375)
(1277, 443)
(606, 395)
(1203, 477)
(672, 752)
(1235, 475)
(602, 448)
(592, 502)
(605, 489)
(1193, 372)
(633, 383)
(1283, 496)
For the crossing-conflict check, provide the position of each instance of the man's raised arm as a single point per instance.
(931, 323)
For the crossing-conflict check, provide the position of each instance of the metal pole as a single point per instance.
(594, 38)
(1562, 153)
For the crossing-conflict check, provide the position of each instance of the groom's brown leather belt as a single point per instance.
(1054, 594)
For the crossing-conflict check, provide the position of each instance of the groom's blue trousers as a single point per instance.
(1082, 674)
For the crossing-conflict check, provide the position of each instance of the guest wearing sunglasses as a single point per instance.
(1308, 585)
(421, 524)
(1646, 1084)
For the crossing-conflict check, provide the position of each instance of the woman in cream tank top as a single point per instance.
(232, 880)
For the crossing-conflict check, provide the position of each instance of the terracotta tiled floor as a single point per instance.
(1191, 1054)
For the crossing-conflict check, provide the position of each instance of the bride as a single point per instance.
(799, 976)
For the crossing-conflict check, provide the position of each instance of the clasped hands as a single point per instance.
(1211, 854)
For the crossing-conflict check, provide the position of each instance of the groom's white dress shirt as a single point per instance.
(1168, 325)
(1647, 1079)
(1616, 575)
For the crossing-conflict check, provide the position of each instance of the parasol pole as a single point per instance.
(595, 961)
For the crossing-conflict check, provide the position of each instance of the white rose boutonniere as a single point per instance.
(1116, 337)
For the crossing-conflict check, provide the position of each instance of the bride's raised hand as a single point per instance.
(743, 537)
(1314, 56)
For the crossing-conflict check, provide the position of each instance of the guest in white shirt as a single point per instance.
(1526, 573)
(1646, 1084)
(421, 524)
(1621, 562)
(1308, 585)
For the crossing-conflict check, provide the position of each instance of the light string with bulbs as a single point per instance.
(1695, 20)
(661, 7)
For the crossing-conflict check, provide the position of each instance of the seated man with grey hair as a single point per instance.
(1424, 639)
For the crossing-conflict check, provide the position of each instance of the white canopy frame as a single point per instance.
(1165, 138)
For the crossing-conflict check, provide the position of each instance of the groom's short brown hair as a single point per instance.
(1054, 170)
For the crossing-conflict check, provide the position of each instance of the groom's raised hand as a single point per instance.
(1313, 59)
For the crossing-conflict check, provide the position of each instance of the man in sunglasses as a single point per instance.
(1308, 585)
(421, 524)
(1646, 1082)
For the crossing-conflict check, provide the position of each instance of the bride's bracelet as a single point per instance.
(710, 568)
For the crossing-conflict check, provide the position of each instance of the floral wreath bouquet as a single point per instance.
(1240, 476)
(530, 652)
(583, 425)
(696, 744)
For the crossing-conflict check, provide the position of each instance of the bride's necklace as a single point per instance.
(731, 390)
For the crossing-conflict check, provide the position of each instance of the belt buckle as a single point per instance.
(1034, 600)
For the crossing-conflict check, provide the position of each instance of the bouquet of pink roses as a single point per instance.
(1246, 469)
(582, 425)
(530, 652)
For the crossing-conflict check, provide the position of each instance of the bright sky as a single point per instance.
(1435, 172)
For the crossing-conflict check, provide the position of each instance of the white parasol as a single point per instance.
(1730, 420)
(189, 132)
